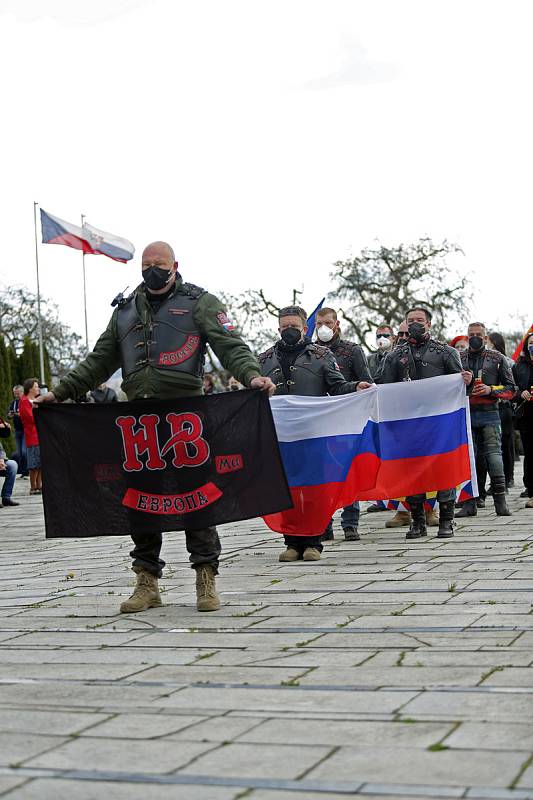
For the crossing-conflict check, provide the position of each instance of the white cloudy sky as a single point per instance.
(266, 140)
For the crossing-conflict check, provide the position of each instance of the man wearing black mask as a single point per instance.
(158, 335)
(297, 366)
(415, 359)
(489, 379)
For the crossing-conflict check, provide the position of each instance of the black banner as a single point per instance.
(169, 465)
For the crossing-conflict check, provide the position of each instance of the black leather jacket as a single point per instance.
(351, 360)
(409, 362)
(314, 372)
(494, 371)
(375, 362)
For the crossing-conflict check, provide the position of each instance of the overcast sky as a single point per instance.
(265, 140)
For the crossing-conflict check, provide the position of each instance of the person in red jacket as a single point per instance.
(31, 391)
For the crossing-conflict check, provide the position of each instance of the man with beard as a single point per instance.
(354, 367)
(297, 366)
(418, 358)
(158, 336)
(489, 379)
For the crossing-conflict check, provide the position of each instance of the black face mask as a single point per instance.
(475, 342)
(156, 277)
(291, 336)
(416, 331)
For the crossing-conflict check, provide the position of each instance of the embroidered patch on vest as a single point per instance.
(178, 311)
(225, 321)
(173, 357)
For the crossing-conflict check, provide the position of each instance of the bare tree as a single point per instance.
(19, 320)
(256, 316)
(381, 284)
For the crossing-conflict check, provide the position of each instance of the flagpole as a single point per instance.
(39, 319)
(84, 291)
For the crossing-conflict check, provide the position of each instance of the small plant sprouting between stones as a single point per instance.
(452, 587)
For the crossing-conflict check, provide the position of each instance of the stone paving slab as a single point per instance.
(387, 669)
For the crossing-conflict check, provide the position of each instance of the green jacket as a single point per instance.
(150, 382)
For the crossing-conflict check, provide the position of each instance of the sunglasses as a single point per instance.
(386, 335)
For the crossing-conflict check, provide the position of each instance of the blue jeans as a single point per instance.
(20, 442)
(10, 473)
(349, 517)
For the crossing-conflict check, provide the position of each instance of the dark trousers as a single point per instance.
(20, 443)
(488, 451)
(203, 548)
(301, 542)
(506, 420)
(527, 443)
(443, 496)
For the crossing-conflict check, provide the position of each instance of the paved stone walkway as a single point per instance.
(387, 669)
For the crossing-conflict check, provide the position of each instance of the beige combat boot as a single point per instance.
(207, 598)
(145, 595)
(399, 520)
(290, 554)
(432, 519)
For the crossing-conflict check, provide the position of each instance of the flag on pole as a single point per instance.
(516, 354)
(389, 441)
(88, 239)
(311, 321)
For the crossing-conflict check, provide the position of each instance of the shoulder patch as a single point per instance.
(225, 322)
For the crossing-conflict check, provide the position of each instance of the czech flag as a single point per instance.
(387, 441)
(88, 239)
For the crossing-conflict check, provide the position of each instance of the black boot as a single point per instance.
(469, 509)
(351, 534)
(446, 519)
(498, 495)
(418, 522)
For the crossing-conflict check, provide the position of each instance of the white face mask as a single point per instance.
(324, 333)
(383, 342)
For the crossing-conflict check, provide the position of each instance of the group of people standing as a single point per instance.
(27, 460)
(158, 336)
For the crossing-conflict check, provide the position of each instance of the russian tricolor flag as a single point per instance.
(91, 240)
(387, 441)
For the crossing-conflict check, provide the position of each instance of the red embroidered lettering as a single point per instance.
(143, 441)
(190, 449)
(173, 357)
(231, 463)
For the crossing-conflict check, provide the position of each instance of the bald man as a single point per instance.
(158, 337)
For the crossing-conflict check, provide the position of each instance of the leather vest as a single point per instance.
(170, 341)
(307, 372)
(428, 361)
